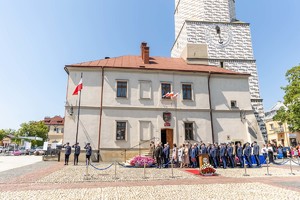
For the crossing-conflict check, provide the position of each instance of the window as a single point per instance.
(57, 130)
(272, 126)
(233, 104)
(122, 89)
(186, 91)
(165, 88)
(145, 89)
(188, 129)
(222, 64)
(121, 130)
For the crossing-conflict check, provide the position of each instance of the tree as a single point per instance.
(33, 128)
(291, 100)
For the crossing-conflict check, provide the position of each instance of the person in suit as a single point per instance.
(240, 154)
(88, 154)
(76, 153)
(247, 154)
(223, 155)
(166, 153)
(203, 149)
(256, 153)
(68, 150)
(230, 155)
(158, 155)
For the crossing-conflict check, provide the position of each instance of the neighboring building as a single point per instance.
(8, 140)
(208, 32)
(278, 132)
(124, 103)
(56, 129)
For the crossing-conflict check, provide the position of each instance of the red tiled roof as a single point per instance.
(57, 120)
(156, 63)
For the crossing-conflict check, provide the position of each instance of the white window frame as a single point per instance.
(171, 86)
(193, 132)
(192, 91)
(126, 126)
(127, 88)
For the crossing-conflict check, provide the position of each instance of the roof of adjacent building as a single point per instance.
(272, 112)
(56, 120)
(156, 63)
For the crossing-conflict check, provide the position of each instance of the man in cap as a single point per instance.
(247, 154)
(68, 150)
(88, 149)
(76, 153)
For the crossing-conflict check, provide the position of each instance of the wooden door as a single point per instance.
(169, 136)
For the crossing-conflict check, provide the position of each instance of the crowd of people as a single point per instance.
(220, 155)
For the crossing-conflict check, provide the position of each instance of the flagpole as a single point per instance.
(78, 114)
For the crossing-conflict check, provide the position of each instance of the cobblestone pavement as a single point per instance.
(53, 180)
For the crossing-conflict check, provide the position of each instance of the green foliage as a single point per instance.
(5, 132)
(33, 128)
(291, 100)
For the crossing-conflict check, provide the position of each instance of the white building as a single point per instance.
(208, 32)
(123, 104)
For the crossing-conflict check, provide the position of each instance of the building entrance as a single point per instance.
(167, 136)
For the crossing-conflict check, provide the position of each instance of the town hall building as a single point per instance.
(204, 92)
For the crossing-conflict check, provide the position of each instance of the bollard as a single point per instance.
(115, 170)
(268, 174)
(172, 169)
(291, 167)
(144, 170)
(245, 174)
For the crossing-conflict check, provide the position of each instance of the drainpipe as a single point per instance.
(101, 104)
(210, 109)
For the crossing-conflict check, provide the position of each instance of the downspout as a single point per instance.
(100, 120)
(210, 109)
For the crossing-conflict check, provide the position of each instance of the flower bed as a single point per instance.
(207, 170)
(140, 161)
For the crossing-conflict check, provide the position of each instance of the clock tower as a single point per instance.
(208, 32)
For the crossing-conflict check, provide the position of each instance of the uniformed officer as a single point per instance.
(256, 153)
(230, 155)
(247, 154)
(88, 149)
(76, 153)
(213, 154)
(223, 155)
(68, 150)
(240, 154)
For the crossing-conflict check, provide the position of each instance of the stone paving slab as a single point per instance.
(201, 191)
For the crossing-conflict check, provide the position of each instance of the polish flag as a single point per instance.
(78, 87)
(175, 96)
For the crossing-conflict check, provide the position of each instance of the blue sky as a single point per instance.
(38, 38)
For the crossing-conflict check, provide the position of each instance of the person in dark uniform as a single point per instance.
(247, 154)
(88, 149)
(240, 154)
(68, 150)
(230, 155)
(158, 155)
(223, 155)
(256, 153)
(76, 153)
(166, 155)
(213, 154)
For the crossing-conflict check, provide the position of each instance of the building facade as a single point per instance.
(128, 101)
(56, 129)
(278, 132)
(208, 32)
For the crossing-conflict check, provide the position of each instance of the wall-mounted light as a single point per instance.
(71, 110)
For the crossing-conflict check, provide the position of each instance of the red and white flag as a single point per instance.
(78, 87)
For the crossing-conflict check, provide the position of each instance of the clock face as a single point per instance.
(218, 35)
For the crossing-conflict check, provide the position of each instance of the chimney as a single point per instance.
(143, 44)
(146, 55)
